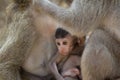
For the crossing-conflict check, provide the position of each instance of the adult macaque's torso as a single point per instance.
(43, 49)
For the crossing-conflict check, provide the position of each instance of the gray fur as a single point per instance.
(101, 57)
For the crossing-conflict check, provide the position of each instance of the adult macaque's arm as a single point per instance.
(65, 16)
(19, 40)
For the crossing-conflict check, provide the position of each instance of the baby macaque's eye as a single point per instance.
(58, 43)
(64, 43)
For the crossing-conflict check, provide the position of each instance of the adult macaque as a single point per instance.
(29, 43)
(101, 57)
(70, 49)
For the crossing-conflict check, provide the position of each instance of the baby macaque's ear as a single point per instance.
(81, 40)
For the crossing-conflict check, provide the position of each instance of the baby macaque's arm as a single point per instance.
(53, 67)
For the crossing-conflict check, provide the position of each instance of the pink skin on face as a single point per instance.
(64, 45)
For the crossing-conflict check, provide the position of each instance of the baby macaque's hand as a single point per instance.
(71, 72)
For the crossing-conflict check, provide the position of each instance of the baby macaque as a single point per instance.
(66, 63)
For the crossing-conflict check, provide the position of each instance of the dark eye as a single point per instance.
(64, 43)
(58, 43)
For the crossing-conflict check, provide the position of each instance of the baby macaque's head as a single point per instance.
(64, 41)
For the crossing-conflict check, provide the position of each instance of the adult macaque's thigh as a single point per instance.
(99, 58)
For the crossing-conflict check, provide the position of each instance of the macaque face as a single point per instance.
(64, 45)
